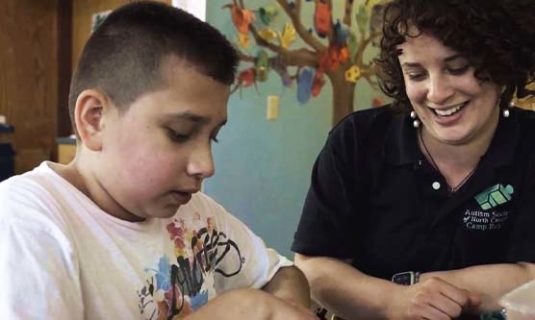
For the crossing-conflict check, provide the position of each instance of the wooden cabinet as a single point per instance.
(66, 149)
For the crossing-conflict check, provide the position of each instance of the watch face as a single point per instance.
(404, 278)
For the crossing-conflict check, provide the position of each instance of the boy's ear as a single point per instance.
(89, 117)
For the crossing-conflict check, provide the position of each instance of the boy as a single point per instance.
(122, 232)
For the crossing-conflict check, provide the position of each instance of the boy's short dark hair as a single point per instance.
(123, 56)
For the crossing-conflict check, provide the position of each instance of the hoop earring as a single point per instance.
(416, 121)
(506, 113)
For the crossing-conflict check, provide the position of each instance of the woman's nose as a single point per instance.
(439, 90)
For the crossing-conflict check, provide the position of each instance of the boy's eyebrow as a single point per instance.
(192, 117)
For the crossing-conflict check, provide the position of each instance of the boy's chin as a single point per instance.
(164, 213)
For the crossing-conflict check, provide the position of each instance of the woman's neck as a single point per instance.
(457, 161)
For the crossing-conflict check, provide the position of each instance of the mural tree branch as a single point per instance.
(330, 50)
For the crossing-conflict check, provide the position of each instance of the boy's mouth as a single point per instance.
(181, 197)
(442, 113)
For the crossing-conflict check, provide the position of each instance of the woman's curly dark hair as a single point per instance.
(497, 37)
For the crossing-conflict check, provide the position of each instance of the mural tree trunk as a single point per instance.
(343, 96)
(338, 57)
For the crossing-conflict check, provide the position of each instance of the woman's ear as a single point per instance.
(89, 117)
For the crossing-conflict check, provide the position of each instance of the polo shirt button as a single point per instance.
(436, 185)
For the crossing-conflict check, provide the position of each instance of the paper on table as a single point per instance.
(520, 303)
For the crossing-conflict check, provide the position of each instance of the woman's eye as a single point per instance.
(459, 71)
(416, 76)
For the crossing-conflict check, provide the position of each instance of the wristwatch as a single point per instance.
(406, 278)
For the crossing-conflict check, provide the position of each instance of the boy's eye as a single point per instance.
(177, 136)
(184, 137)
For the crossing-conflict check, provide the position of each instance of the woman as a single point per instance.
(422, 209)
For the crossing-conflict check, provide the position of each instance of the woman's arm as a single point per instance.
(351, 294)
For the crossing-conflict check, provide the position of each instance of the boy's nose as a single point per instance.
(201, 163)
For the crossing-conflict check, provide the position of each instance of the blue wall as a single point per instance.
(263, 167)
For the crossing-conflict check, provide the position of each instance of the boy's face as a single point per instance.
(156, 154)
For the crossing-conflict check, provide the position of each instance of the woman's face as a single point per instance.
(454, 106)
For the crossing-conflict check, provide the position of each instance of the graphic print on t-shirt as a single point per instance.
(177, 286)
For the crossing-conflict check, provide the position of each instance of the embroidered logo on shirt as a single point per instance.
(484, 220)
(488, 219)
(495, 196)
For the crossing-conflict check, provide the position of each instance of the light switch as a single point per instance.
(272, 111)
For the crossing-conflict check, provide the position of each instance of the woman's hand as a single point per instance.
(432, 298)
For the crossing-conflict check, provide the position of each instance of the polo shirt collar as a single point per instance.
(502, 147)
(401, 144)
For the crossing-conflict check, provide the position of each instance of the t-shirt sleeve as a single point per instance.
(327, 226)
(38, 271)
(246, 260)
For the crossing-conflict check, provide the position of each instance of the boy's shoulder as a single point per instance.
(31, 196)
(20, 186)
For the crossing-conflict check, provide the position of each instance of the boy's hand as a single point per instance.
(251, 304)
(300, 306)
(290, 310)
(431, 299)
(290, 284)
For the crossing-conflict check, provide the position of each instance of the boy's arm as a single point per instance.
(251, 304)
(290, 284)
(491, 282)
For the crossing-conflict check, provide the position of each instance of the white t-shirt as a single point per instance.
(62, 257)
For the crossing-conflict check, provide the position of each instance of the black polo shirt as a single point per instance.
(376, 200)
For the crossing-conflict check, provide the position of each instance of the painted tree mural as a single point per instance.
(332, 48)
